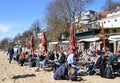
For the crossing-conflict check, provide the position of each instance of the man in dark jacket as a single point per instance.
(11, 53)
(99, 64)
(61, 60)
(62, 72)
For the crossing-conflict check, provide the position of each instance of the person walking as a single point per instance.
(10, 53)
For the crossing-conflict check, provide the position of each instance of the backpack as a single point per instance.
(108, 72)
(72, 74)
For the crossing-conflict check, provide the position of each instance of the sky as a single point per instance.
(16, 16)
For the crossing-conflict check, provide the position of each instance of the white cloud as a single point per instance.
(5, 27)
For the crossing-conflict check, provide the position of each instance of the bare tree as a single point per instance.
(61, 13)
(35, 27)
(17, 38)
(5, 43)
(25, 38)
(110, 5)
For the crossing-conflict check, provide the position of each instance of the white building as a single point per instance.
(112, 19)
(85, 17)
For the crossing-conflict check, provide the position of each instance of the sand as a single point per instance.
(13, 73)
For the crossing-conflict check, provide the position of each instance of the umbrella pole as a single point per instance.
(104, 40)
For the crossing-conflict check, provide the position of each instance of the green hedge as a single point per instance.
(110, 30)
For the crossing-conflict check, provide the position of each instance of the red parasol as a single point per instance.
(72, 40)
(44, 42)
(32, 44)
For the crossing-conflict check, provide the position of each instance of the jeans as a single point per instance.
(32, 64)
(42, 63)
(17, 57)
(10, 58)
(75, 67)
(21, 61)
(57, 64)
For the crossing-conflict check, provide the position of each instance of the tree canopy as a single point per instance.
(60, 13)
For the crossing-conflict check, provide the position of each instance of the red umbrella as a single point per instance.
(44, 42)
(32, 44)
(72, 40)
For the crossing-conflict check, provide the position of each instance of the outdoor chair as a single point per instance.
(116, 67)
(97, 71)
(49, 66)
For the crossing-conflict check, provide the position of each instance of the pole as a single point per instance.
(104, 40)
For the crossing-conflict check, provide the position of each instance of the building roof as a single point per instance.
(117, 9)
(103, 14)
(90, 39)
(111, 17)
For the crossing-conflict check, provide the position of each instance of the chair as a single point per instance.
(97, 71)
(116, 68)
(49, 66)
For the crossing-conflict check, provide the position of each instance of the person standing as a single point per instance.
(11, 53)
(19, 50)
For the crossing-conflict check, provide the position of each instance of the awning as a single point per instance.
(65, 42)
(52, 43)
(114, 38)
(90, 39)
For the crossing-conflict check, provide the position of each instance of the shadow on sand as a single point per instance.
(24, 76)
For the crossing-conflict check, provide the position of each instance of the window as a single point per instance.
(104, 22)
(115, 20)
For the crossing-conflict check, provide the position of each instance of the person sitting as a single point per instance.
(56, 55)
(91, 53)
(62, 72)
(72, 74)
(85, 56)
(32, 60)
(42, 61)
(110, 57)
(71, 59)
(22, 59)
(97, 63)
(52, 56)
(61, 59)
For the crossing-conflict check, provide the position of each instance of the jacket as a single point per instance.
(61, 72)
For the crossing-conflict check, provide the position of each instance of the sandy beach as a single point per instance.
(13, 73)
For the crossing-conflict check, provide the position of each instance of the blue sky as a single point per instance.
(16, 16)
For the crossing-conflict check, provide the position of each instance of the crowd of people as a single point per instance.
(67, 65)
